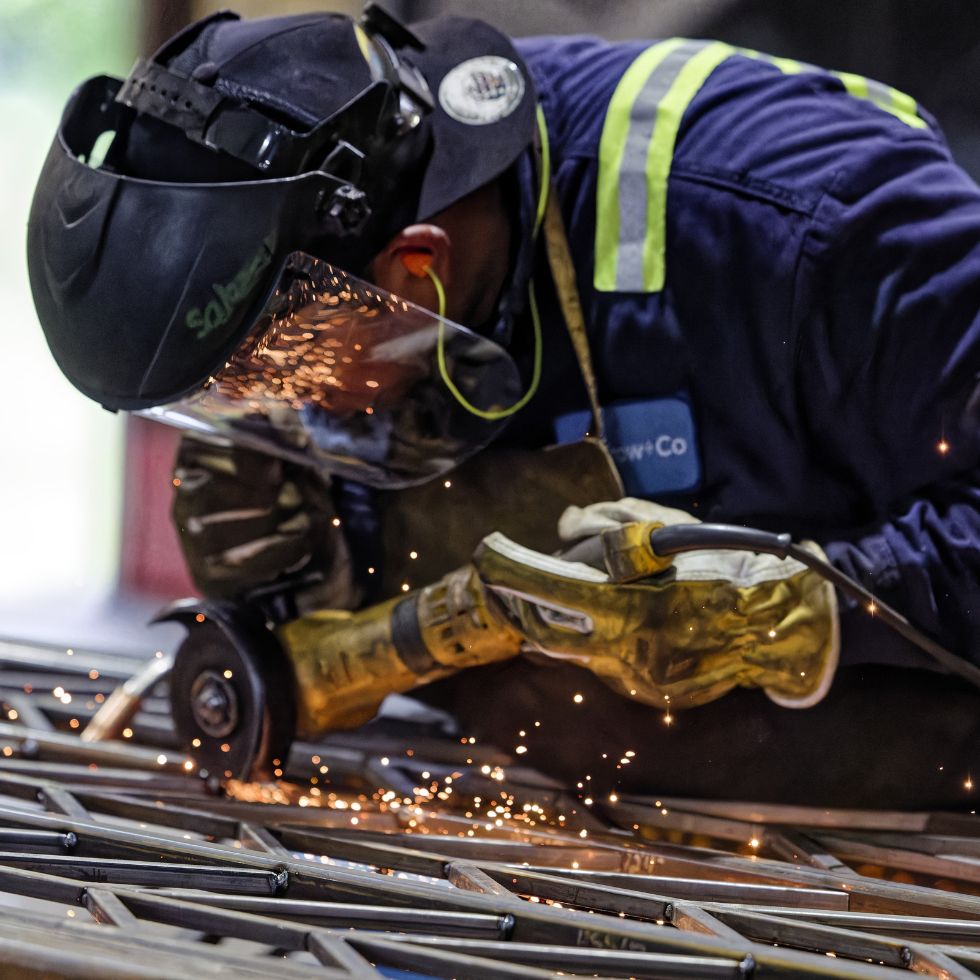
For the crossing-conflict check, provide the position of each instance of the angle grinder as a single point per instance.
(250, 677)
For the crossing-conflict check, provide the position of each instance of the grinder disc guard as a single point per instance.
(231, 691)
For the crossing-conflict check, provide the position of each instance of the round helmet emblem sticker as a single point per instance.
(482, 90)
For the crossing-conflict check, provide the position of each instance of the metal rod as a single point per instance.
(119, 709)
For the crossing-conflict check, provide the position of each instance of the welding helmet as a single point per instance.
(200, 231)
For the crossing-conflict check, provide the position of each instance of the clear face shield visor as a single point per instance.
(354, 381)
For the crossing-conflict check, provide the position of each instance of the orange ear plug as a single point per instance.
(417, 263)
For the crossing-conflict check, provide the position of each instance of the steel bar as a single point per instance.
(110, 720)
(339, 915)
(617, 963)
(44, 659)
(796, 846)
(244, 881)
(66, 747)
(378, 855)
(19, 777)
(474, 879)
(893, 857)
(59, 800)
(694, 918)
(912, 822)
(36, 841)
(60, 942)
(933, 963)
(433, 962)
(936, 844)
(921, 927)
(811, 935)
(332, 950)
(26, 710)
(706, 890)
(542, 924)
(105, 908)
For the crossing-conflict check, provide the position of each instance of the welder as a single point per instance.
(434, 299)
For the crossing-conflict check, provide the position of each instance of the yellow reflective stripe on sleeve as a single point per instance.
(788, 66)
(902, 106)
(885, 97)
(635, 155)
(636, 151)
(856, 85)
(905, 104)
(612, 147)
(669, 114)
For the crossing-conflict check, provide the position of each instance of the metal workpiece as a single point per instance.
(378, 855)
(125, 700)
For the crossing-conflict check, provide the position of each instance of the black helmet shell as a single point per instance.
(151, 268)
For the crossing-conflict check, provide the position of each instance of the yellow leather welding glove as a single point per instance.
(685, 634)
(248, 520)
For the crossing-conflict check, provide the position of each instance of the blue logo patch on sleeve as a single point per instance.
(653, 443)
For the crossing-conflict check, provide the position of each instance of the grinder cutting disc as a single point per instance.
(231, 691)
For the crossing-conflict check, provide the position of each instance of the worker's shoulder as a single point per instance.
(765, 125)
(807, 130)
(575, 77)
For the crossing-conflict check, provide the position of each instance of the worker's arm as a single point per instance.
(249, 521)
(889, 355)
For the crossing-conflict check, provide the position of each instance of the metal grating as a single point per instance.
(406, 857)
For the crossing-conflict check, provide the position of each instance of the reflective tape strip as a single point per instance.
(635, 154)
(637, 148)
(612, 147)
(906, 108)
(788, 66)
(856, 85)
(885, 97)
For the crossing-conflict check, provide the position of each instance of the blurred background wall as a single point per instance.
(61, 462)
(84, 495)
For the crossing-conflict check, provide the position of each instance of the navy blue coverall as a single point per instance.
(813, 339)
